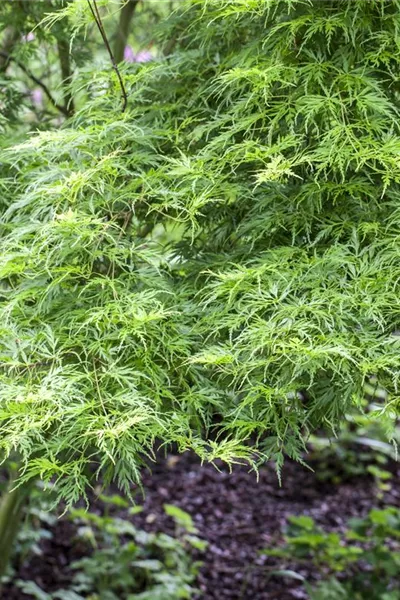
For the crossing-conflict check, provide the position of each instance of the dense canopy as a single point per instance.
(218, 265)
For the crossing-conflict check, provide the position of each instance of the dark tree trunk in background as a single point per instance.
(10, 38)
(66, 74)
(125, 20)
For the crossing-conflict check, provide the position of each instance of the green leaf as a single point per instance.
(182, 518)
(115, 500)
(302, 521)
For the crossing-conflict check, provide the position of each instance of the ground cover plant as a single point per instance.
(368, 550)
(113, 558)
(360, 446)
(207, 254)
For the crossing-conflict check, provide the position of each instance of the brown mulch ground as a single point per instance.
(235, 513)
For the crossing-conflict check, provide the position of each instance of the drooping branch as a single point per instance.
(38, 82)
(97, 17)
(125, 20)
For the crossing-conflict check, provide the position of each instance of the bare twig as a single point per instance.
(96, 15)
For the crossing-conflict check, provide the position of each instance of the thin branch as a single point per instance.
(38, 82)
(96, 15)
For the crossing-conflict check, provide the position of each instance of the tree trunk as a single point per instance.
(125, 19)
(66, 74)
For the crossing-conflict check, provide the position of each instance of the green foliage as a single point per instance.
(359, 447)
(127, 563)
(367, 555)
(36, 525)
(331, 589)
(122, 561)
(33, 93)
(267, 144)
(48, 50)
(182, 518)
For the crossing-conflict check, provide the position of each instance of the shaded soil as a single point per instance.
(234, 512)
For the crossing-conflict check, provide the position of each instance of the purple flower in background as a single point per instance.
(37, 97)
(29, 37)
(129, 54)
(143, 56)
(140, 57)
